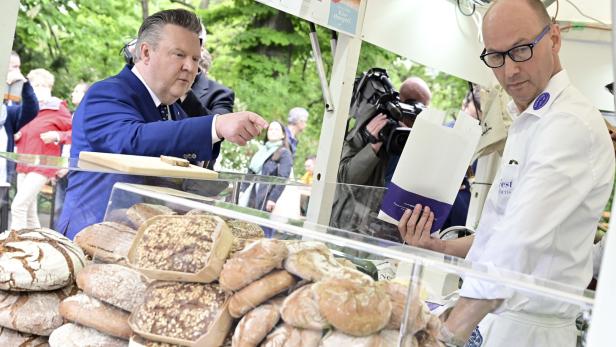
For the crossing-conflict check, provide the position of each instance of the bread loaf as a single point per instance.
(288, 336)
(353, 308)
(244, 233)
(245, 230)
(35, 312)
(73, 335)
(177, 243)
(256, 260)
(106, 242)
(425, 339)
(139, 213)
(179, 310)
(10, 338)
(114, 284)
(38, 259)
(255, 325)
(419, 314)
(138, 341)
(386, 338)
(95, 314)
(259, 292)
(313, 261)
(301, 310)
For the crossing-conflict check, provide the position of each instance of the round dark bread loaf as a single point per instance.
(107, 242)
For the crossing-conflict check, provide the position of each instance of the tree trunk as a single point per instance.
(144, 9)
(204, 4)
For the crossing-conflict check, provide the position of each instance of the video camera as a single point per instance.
(373, 93)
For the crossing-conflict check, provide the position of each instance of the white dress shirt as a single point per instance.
(157, 102)
(541, 214)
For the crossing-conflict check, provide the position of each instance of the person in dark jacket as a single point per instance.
(274, 158)
(207, 97)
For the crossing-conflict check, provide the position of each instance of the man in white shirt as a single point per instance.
(540, 215)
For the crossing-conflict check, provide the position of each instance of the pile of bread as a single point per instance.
(295, 293)
(38, 269)
(268, 292)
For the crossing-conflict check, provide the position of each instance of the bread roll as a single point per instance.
(139, 213)
(288, 336)
(11, 338)
(95, 314)
(301, 310)
(259, 292)
(107, 242)
(353, 308)
(419, 314)
(38, 260)
(313, 261)
(245, 230)
(73, 335)
(35, 312)
(255, 325)
(255, 261)
(177, 243)
(114, 284)
(179, 310)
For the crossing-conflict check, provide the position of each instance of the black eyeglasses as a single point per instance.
(518, 53)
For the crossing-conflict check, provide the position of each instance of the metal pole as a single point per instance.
(600, 333)
(416, 274)
(318, 59)
(333, 128)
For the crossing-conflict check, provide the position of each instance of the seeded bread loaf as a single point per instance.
(179, 310)
(114, 284)
(38, 260)
(176, 243)
(106, 242)
(92, 313)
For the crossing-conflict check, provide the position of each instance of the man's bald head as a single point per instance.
(536, 6)
(510, 24)
(414, 88)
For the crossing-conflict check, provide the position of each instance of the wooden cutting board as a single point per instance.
(147, 166)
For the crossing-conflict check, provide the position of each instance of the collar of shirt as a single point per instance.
(154, 97)
(538, 108)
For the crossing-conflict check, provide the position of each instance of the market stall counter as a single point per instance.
(171, 267)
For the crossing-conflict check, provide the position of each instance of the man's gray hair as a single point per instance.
(297, 114)
(152, 27)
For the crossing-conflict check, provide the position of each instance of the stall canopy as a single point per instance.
(445, 34)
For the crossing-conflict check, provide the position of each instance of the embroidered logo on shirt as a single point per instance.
(541, 100)
(476, 340)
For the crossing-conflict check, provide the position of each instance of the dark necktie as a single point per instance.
(164, 112)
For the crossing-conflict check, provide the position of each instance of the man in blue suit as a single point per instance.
(135, 112)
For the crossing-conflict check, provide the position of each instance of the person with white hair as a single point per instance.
(297, 121)
(44, 135)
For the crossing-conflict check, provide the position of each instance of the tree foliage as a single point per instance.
(264, 55)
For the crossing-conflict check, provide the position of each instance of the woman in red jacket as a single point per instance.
(44, 135)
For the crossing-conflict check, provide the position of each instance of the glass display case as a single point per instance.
(374, 256)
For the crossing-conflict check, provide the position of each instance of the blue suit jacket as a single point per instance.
(118, 115)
